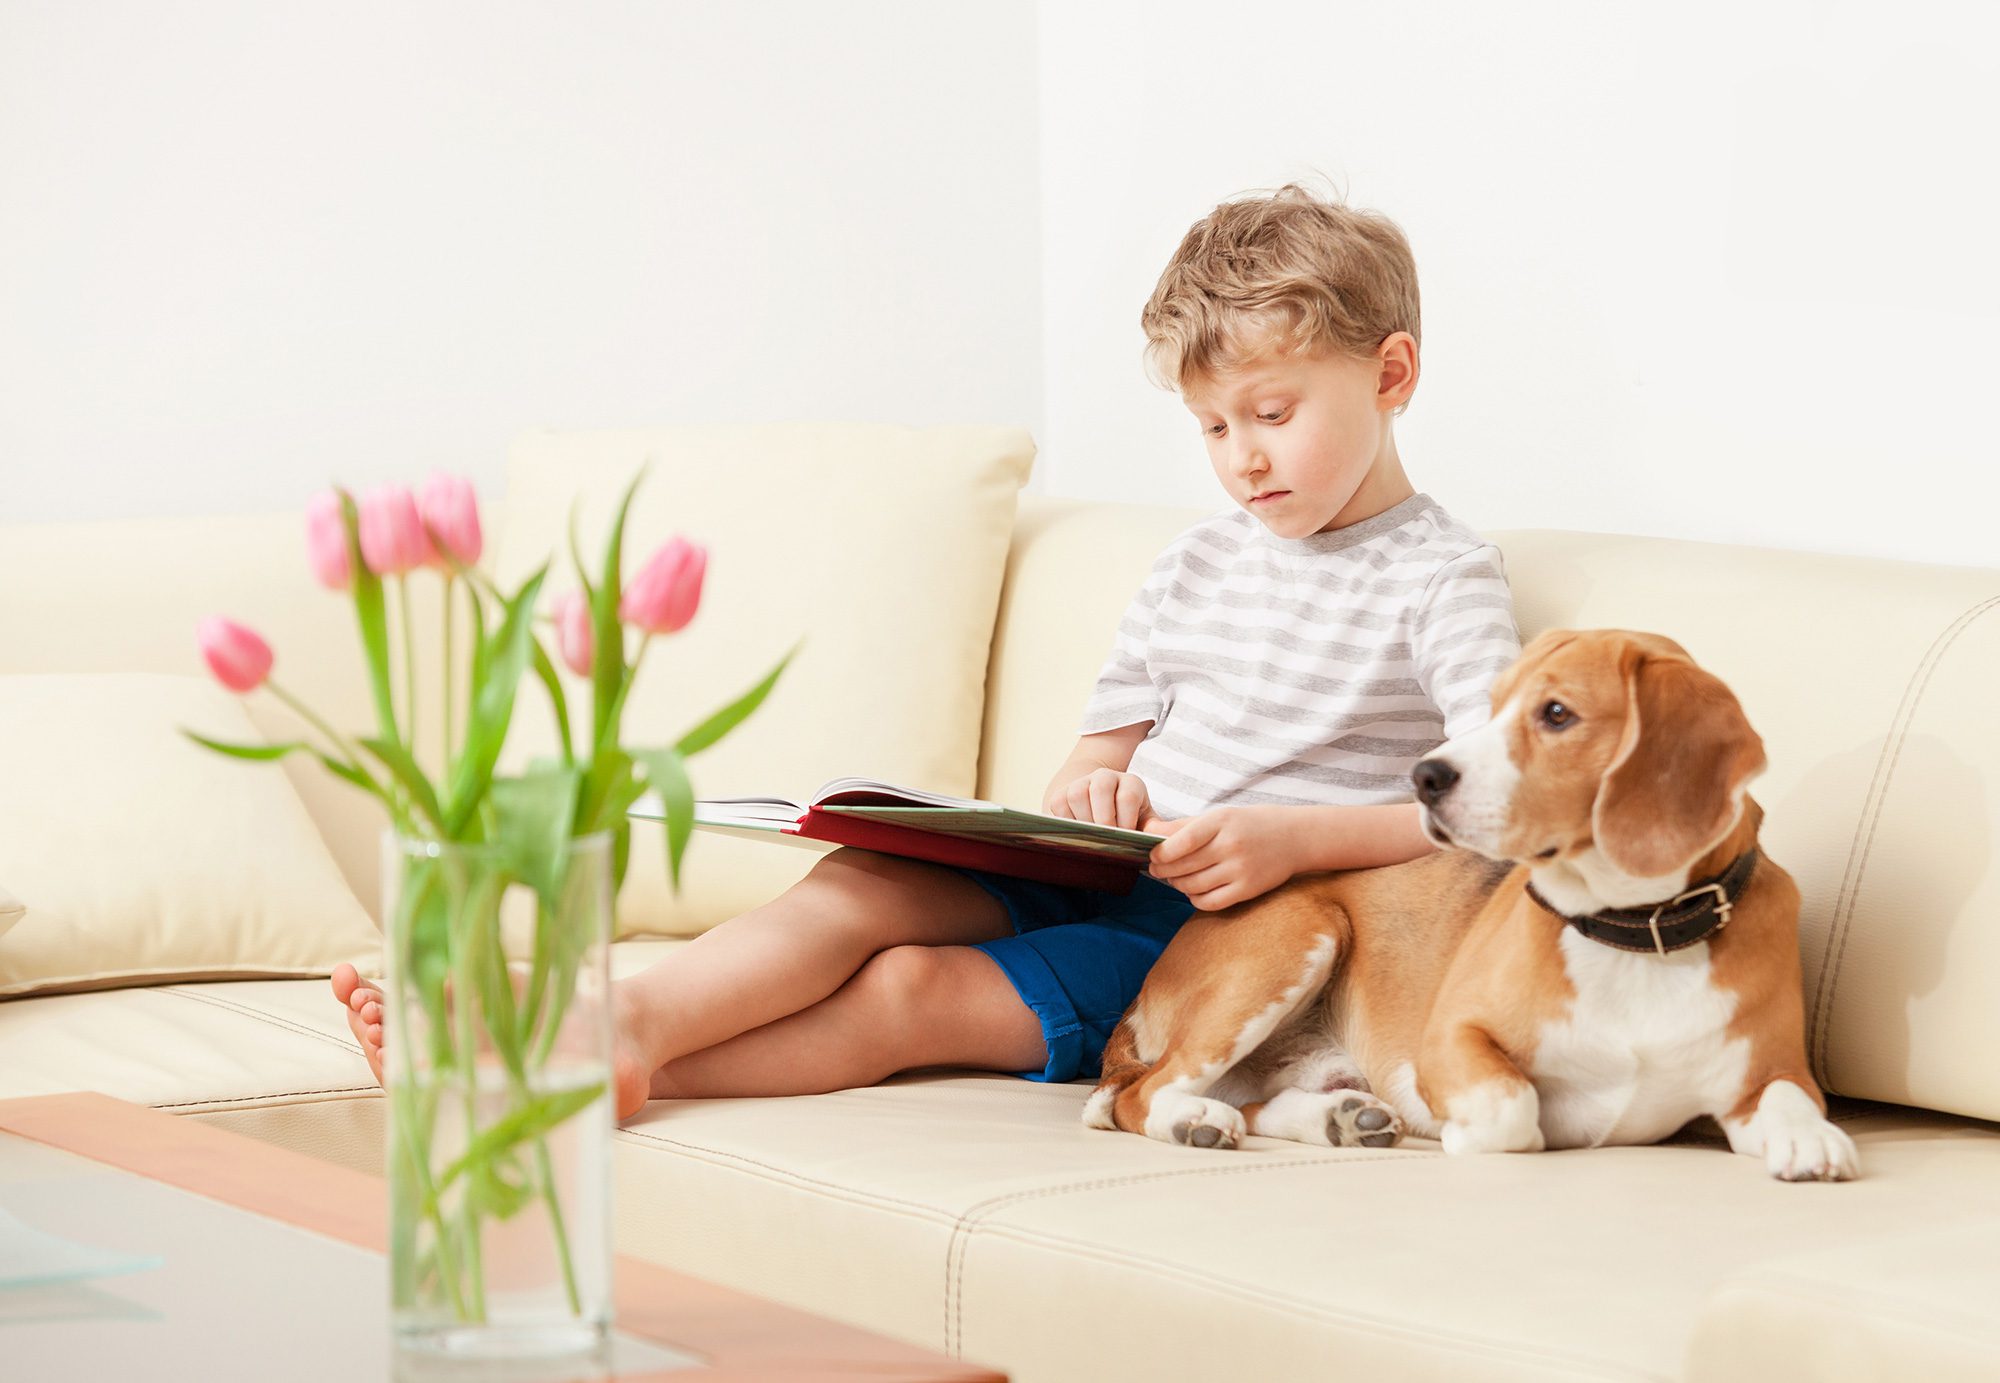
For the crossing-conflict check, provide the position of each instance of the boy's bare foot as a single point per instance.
(630, 1072)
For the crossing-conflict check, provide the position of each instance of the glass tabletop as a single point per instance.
(115, 1275)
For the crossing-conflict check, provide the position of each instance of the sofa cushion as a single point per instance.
(11, 910)
(1913, 1306)
(130, 593)
(149, 858)
(976, 1214)
(881, 548)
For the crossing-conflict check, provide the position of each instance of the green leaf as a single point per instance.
(493, 1193)
(530, 1119)
(667, 773)
(372, 614)
(258, 752)
(732, 715)
(608, 673)
(486, 962)
(610, 771)
(536, 814)
(340, 768)
(505, 657)
(558, 701)
(268, 753)
(398, 761)
(576, 551)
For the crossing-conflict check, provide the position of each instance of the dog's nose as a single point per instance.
(1434, 778)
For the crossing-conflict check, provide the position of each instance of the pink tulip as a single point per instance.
(450, 511)
(392, 535)
(573, 636)
(238, 658)
(326, 542)
(662, 598)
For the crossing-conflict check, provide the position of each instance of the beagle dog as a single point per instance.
(1602, 955)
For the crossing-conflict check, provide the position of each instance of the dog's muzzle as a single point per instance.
(1434, 778)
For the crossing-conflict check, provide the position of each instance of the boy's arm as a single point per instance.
(1229, 854)
(1355, 837)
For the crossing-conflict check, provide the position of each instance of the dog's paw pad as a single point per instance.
(1363, 1122)
(1199, 1135)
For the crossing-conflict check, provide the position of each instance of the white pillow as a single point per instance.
(882, 547)
(149, 858)
(10, 910)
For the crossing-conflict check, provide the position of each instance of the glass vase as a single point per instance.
(497, 1059)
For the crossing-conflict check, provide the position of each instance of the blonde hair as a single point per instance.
(1285, 272)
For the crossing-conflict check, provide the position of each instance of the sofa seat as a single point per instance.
(977, 1215)
(269, 1058)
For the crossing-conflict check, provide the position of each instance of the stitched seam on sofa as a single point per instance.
(1309, 1309)
(962, 1232)
(254, 1100)
(827, 1188)
(1813, 1292)
(290, 1024)
(1864, 832)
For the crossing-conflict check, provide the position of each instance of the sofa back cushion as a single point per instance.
(123, 595)
(879, 550)
(148, 858)
(1870, 681)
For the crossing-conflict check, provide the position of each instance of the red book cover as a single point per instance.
(1075, 870)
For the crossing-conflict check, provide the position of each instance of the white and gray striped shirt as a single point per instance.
(1306, 671)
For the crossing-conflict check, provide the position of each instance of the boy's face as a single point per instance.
(1295, 439)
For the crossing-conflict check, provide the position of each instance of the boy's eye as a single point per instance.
(1272, 417)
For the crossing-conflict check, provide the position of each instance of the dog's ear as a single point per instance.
(1676, 784)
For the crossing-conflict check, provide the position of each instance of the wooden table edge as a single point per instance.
(741, 1338)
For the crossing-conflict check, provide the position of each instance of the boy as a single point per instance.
(1271, 686)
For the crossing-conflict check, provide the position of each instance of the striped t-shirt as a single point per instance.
(1306, 671)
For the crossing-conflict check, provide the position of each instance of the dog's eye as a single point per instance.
(1555, 715)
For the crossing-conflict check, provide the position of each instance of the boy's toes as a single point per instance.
(631, 1085)
(346, 979)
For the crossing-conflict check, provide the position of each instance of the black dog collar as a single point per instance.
(1673, 925)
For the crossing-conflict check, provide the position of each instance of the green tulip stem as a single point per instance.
(347, 750)
(447, 669)
(409, 661)
(610, 734)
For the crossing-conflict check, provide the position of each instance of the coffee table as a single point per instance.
(272, 1265)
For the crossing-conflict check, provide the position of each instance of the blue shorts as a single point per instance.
(1078, 957)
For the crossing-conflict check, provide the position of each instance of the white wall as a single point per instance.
(247, 247)
(1720, 271)
(1705, 270)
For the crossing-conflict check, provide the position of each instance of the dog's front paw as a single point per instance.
(1362, 1121)
(1798, 1143)
(1177, 1117)
(1824, 1153)
(1499, 1116)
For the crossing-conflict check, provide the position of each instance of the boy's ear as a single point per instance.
(1398, 354)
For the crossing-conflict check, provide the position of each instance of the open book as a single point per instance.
(959, 831)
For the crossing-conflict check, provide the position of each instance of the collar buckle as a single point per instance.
(1723, 907)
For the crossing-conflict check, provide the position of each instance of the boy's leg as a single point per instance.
(909, 1006)
(801, 947)
(763, 965)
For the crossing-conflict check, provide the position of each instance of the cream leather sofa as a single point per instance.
(976, 1215)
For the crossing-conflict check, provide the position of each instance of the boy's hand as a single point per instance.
(1105, 797)
(1226, 854)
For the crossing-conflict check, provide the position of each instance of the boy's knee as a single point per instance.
(922, 988)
